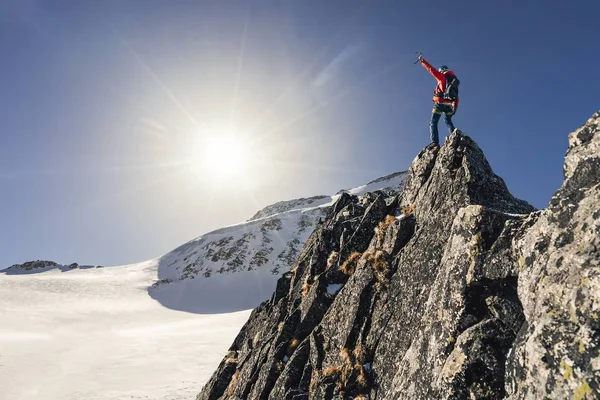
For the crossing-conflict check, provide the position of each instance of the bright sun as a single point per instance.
(222, 154)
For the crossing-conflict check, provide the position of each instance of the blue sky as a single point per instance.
(102, 103)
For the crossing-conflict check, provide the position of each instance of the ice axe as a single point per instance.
(419, 57)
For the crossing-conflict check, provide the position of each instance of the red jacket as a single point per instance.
(441, 84)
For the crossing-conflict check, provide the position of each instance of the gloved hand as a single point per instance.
(453, 105)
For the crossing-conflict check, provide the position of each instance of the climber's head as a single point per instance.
(443, 68)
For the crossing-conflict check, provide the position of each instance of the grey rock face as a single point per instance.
(558, 350)
(469, 294)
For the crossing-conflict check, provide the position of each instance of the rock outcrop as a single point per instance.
(43, 266)
(470, 293)
(557, 352)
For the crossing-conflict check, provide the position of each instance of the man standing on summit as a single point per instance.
(445, 98)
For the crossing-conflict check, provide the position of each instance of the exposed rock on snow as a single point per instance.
(472, 294)
(42, 266)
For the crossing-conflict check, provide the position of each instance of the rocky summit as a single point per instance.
(467, 293)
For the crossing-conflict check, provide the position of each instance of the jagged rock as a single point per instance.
(469, 294)
(33, 265)
(558, 350)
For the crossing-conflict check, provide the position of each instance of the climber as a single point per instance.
(445, 98)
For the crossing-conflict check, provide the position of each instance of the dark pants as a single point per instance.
(436, 113)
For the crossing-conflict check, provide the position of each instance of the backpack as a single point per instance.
(452, 83)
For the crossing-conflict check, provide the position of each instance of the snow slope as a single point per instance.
(236, 268)
(95, 334)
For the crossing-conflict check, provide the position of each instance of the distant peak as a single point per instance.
(32, 267)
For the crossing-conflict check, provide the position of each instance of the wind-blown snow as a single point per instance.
(95, 334)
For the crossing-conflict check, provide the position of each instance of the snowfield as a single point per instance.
(96, 334)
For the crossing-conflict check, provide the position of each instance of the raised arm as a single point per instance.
(432, 70)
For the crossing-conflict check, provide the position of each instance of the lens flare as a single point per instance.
(220, 155)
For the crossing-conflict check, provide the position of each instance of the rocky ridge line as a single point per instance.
(470, 294)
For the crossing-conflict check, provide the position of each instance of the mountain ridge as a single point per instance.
(470, 294)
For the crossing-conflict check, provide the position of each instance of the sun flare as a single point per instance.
(220, 154)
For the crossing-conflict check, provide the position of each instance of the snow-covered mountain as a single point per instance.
(236, 267)
(89, 332)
